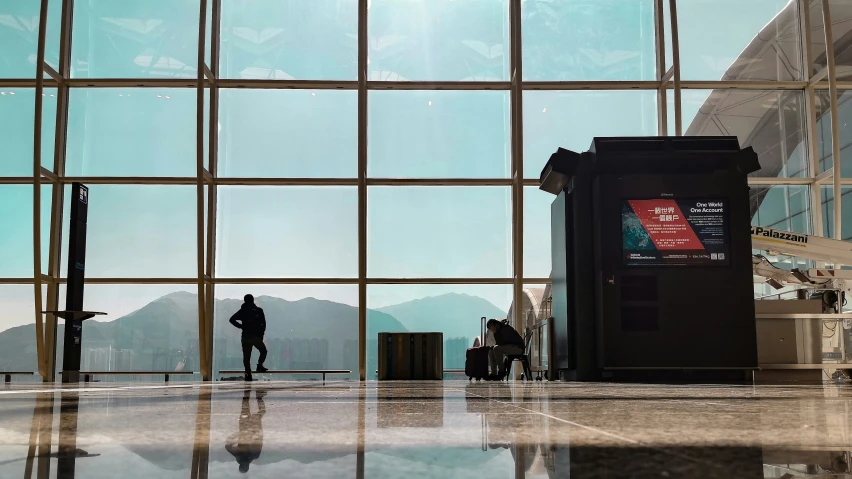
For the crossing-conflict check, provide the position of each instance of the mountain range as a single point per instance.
(164, 332)
(454, 314)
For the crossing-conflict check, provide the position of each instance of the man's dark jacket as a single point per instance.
(251, 320)
(506, 335)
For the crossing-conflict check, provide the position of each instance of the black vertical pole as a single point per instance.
(76, 279)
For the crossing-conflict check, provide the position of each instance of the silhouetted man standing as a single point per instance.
(251, 320)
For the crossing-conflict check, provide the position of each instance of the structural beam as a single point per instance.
(517, 142)
(204, 322)
(678, 120)
(660, 47)
(362, 187)
(835, 119)
(37, 132)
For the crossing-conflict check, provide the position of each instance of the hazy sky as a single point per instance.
(149, 231)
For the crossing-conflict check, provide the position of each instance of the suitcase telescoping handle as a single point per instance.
(482, 331)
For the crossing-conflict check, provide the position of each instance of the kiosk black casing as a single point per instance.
(617, 321)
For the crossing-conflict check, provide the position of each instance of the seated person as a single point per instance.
(508, 343)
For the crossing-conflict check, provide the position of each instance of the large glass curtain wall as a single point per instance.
(365, 165)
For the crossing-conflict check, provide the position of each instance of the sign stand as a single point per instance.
(74, 315)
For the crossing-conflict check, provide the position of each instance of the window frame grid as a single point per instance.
(208, 83)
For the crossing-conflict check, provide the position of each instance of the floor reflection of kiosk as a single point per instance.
(652, 259)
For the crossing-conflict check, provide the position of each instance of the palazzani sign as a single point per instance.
(780, 235)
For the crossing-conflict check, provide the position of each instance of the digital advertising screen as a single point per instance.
(675, 232)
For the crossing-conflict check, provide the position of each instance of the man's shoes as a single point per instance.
(493, 377)
(248, 378)
(261, 369)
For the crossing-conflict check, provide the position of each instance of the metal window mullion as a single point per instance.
(676, 67)
(479, 281)
(284, 280)
(835, 119)
(21, 82)
(215, 38)
(660, 45)
(363, 42)
(37, 132)
(589, 85)
(517, 138)
(58, 196)
(204, 352)
(812, 135)
(743, 85)
(813, 157)
(772, 180)
(55, 241)
(213, 170)
(662, 111)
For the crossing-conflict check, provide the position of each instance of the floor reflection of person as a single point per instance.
(246, 444)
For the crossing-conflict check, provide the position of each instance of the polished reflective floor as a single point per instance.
(424, 429)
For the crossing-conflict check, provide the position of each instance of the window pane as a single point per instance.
(16, 223)
(439, 232)
(841, 30)
(132, 132)
(288, 133)
(54, 31)
(208, 38)
(771, 122)
(781, 207)
(439, 134)
(580, 40)
(17, 329)
(760, 42)
(571, 119)
(136, 231)
(120, 39)
(287, 231)
(205, 131)
(841, 26)
(148, 327)
(452, 309)
(439, 40)
(537, 263)
(822, 100)
(307, 327)
(537, 307)
(667, 32)
(17, 117)
(19, 38)
(827, 206)
(844, 109)
(290, 39)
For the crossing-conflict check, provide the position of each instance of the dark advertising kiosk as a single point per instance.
(651, 254)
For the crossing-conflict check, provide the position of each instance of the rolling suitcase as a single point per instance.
(476, 359)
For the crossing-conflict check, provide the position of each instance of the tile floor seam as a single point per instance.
(595, 430)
